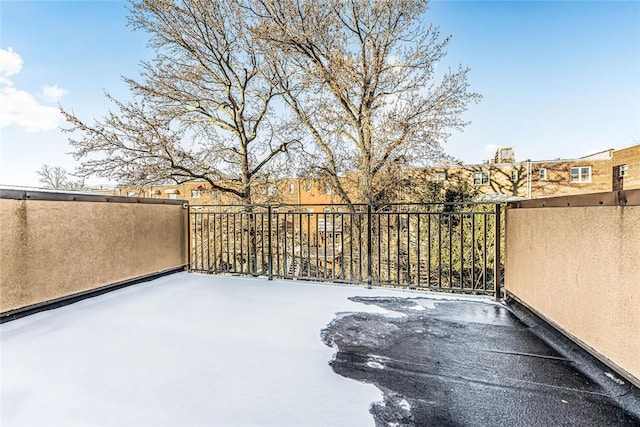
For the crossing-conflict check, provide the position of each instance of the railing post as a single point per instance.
(269, 250)
(369, 227)
(188, 237)
(496, 261)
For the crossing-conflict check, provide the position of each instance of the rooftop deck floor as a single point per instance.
(197, 350)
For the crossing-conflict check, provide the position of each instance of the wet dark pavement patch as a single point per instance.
(459, 362)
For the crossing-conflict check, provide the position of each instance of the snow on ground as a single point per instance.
(186, 350)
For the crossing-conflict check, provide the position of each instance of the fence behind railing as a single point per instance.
(452, 247)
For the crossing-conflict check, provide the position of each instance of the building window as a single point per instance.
(327, 189)
(310, 210)
(173, 196)
(480, 178)
(581, 174)
(543, 174)
(514, 176)
(506, 154)
(308, 187)
(133, 193)
(624, 170)
(271, 190)
(195, 194)
(291, 188)
(438, 177)
(326, 210)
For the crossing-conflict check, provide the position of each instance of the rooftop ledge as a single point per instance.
(609, 198)
(18, 193)
(189, 349)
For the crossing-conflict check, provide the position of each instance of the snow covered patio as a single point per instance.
(201, 350)
(185, 349)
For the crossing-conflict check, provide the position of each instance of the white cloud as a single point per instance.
(53, 93)
(19, 107)
(10, 62)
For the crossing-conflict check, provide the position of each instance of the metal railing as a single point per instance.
(453, 247)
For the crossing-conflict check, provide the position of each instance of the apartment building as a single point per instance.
(626, 168)
(500, 178)
(504, 176)
(295, 191)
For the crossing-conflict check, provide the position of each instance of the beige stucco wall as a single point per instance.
(56, 248)
(579, 267)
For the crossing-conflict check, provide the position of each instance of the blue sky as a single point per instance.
(559, 79)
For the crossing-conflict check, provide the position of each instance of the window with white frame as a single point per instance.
(624, 170)
(271, 190)
(291, 188)
(514, 176)
(480, 178)
(308, 187)
(195, 194)
(543, 174)
(327, 189)
(173, 196)
(581, 174)
(131, 193)
(438, 176)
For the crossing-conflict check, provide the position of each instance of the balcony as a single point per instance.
(92, 336)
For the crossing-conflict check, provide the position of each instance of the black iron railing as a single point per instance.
(452, 247)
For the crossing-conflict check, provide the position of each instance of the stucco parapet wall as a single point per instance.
(61, 196)
(575, 264)
(610, 198)
(56, 244)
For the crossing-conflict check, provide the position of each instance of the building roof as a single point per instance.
(600, 155)
(190, 349)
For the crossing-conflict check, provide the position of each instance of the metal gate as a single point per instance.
(454, 247)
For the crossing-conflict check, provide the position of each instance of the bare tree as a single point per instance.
(361, 77)
(201, 110)
(52, 176)
(56, 177)
(506, 180)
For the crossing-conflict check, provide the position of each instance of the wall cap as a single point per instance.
(610, 198)
(61, 196)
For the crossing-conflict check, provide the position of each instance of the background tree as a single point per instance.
(201, 110)
(56, 177)
(52, 176)
(507, 181)
(360, 76)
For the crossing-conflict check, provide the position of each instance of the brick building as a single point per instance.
(626, 168)
(502, 177)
